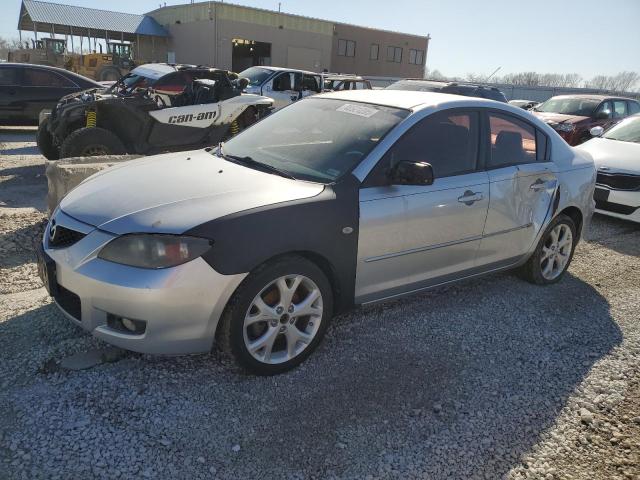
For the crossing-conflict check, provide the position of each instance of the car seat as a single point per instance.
(508, 149)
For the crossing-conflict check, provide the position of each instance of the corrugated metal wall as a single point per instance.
(206, 11)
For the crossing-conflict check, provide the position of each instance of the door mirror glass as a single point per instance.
(411, 173)
(596, 131)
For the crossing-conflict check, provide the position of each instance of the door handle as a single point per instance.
(538, 185)
(469, 197)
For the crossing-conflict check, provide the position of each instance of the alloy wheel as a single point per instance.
(556, 251)
(283, 319)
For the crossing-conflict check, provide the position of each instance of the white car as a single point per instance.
(616, 153)
(283, 85)
(341, 199)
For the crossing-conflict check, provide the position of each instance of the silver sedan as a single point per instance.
(337, 200)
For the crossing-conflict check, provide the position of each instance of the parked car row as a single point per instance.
(573, 116)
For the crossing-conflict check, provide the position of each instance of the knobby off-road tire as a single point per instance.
(87, 142)
(45, 143)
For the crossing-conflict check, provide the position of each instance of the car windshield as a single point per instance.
(316, 139)
(255, 75)
(626, 131)
(416, 86)
(583, 107)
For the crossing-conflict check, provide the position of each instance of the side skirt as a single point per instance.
(441, 281)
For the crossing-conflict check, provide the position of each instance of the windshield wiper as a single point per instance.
(250, 162)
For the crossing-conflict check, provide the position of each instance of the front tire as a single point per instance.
(45, 143)
(553, 254)
(88, 142)
(278, 316)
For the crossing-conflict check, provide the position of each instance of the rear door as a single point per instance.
(42, 89)
(522, 183)
(10, 94)
(415, 236)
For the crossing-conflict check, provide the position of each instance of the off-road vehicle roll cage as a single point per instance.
(154, 108)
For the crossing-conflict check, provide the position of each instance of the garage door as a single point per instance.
(304, 58)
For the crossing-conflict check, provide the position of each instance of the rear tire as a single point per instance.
(248, 118)
(45, 143)
(554, 252)
(277, 317)
(88, 142)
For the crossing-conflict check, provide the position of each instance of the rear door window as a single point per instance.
(513, 142)
(310, 82)
(36, 77)
(634, 108)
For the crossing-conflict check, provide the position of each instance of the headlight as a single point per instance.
(154, 250)
(564, 127)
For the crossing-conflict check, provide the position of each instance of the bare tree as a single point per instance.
(622, 82)
(8, 44)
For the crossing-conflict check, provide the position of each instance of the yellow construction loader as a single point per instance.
(109, 66)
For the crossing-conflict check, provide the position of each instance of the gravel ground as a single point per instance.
(491, 378)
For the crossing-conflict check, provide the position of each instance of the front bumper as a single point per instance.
(618, 203)
(181, 305)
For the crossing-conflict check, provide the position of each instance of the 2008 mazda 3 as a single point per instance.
(337, 200)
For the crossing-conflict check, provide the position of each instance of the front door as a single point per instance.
(412, 237)
(522, 184)
(284, 89)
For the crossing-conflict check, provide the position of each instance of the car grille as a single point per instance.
(619, 181)
(69, 302)
(62, 237)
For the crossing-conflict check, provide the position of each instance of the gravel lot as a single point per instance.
(491, 378)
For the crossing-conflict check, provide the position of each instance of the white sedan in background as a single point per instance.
(616, 153)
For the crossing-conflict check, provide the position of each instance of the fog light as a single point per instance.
(126, 325)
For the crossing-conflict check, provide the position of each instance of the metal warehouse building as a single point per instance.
(235, 37)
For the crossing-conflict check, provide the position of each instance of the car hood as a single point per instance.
(613, 155)
(174, 192)
(548, 117)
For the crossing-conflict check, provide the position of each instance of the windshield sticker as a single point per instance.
(360, 110)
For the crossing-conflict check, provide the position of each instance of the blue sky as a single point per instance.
(589, 37)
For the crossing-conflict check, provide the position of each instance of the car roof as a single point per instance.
(594, 96)
(283, 69)
(353, 78)
(405, 99)
(62, 71)
(154, 70)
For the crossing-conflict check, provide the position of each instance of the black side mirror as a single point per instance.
(411, 173)
(603, 115)
(242, 83)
